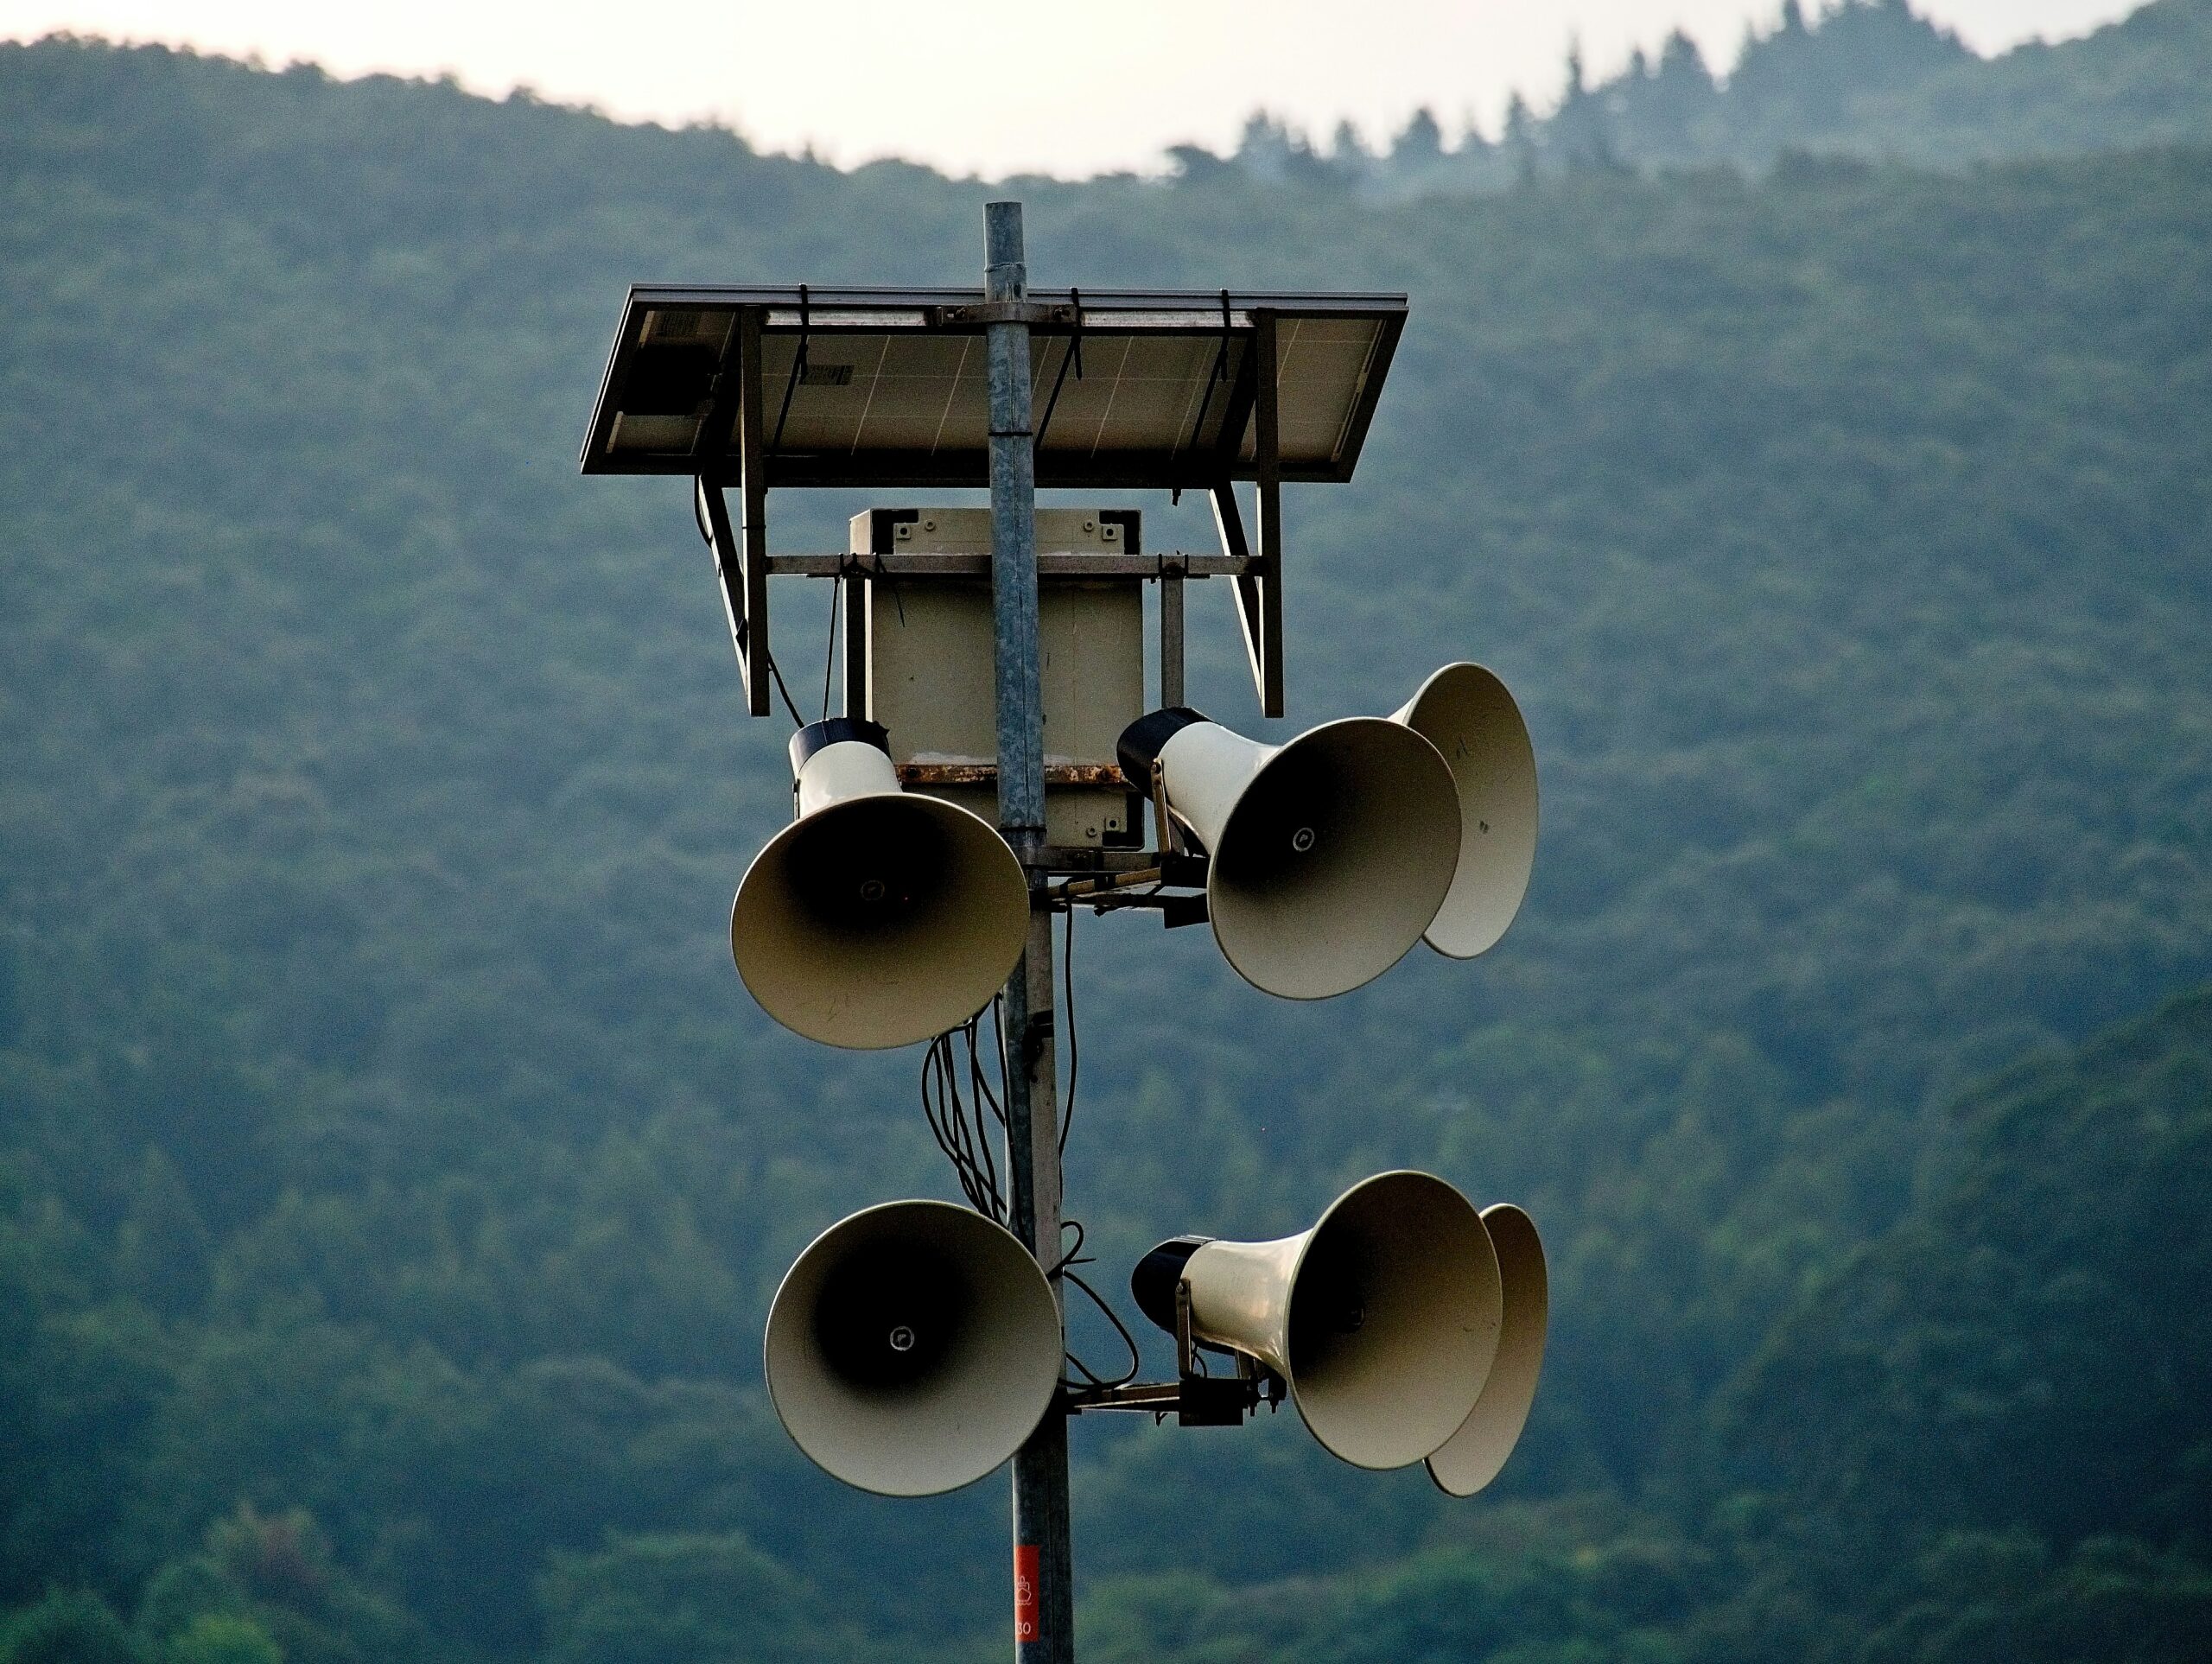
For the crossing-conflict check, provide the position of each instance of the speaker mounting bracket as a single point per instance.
(1193, 1401)
(1165, 831)
(1196, 1399)
(1162, 887)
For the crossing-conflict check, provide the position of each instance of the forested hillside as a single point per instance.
(1866, 78)
(393, 1174)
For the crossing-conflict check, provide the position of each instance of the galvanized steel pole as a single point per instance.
(1043, 1602)
(1013, 537)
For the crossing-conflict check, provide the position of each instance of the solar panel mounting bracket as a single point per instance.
(741, 552)
(745, 388)
(1038, 315)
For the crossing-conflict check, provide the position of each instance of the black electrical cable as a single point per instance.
(797, 720)
(945, 1120)
(957, 1123)
(932, 1110)
(981, 1143)
(799, 363)
(977, 1082)
(699, 517)
(1136, 1360)
(956, 1118)
(1075, 1056)
(830, 653)
(949, 1124)
(1064, 1269)
(998, 1039)
(1070, 1257)
(980, 1085)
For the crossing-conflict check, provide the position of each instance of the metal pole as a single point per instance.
(1044, 1604)
(1014, 539)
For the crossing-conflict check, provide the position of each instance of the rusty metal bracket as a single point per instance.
(925, 775)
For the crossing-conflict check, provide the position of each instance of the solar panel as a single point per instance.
(878, 387)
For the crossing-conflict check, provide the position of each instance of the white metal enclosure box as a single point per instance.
(930, 680)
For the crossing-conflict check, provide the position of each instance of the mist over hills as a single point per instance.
(393, 1175)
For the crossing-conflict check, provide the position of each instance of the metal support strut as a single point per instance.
(1044, 1595)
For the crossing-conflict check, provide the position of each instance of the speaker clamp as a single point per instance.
(1194, 1398)
(1154, 887)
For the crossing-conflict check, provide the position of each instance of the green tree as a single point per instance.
(685, 1600)
(70, 1628)
(215, 1638)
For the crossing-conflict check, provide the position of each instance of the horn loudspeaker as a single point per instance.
(1329, 855)
(1465, 711)
(912, 1347)
(879, 917)
(1382, 1319)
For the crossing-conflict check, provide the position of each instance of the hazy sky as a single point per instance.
(1063, 88)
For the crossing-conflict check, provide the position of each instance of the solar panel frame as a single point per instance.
(1159, 349)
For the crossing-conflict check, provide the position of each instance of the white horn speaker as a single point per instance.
(1382, 1319)
(1472, 1457)
(1465, 711)
(878, 917)
(912, 1347)
(1330, 855)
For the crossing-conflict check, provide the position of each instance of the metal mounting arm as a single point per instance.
(741, 552)
(1195, 1399)
(1259, 580)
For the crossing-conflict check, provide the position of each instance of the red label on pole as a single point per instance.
(1026, 1606)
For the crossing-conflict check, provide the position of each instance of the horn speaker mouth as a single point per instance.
(1473, 1456)
(912, 1347)
(1334, 859)
(880, 921)
(1468, 714)
(1394, 1307)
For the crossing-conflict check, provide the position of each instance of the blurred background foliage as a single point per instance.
(393, 1175)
